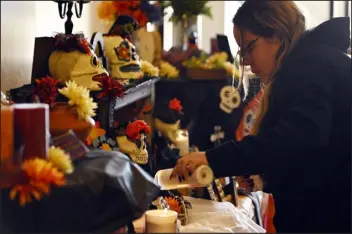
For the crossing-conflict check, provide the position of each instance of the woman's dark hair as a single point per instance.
(281, 19)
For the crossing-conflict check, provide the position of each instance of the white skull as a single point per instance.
(124, 62)
(137, 150)
(230, 99)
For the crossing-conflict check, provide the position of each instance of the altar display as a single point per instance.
(66, 176)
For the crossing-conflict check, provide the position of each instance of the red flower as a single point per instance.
(84, 45)
(175, 105)
(122, 7)
(46, 89)
(110, 87)
(141, 17)
(134, 129)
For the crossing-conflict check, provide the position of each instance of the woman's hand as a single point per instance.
(187, 164)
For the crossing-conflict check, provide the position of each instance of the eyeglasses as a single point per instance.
(244, 53)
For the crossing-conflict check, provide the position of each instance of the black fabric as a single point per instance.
(304, 143)
(107, 191)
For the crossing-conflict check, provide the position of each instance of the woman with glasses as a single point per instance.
(301, 140)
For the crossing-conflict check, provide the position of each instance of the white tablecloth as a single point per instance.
(209, 216)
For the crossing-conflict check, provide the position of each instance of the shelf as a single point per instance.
(136, 93)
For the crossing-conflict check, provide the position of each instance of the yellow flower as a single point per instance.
(231, 69)
(217, 58)
(167, 70)
(80, 99)
(60, 160)
(106, 146)
(41, 175)
(148, 69)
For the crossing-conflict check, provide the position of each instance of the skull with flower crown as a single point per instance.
(74, 59)
(168, 120)
(124, 62)
(133, 141)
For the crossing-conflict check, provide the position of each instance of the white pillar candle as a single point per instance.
(182, 142)
(161, 221)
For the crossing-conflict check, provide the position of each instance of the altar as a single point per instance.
(212, 217)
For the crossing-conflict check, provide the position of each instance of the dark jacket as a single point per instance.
(304, 143)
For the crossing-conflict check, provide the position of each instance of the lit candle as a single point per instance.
(32, 127)
(182, 142)
(161, 221)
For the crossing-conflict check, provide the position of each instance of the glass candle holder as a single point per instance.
(161, 221)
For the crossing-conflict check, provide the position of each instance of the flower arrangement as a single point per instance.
(216, 61)
(39, 175)
(46, 91)
(168, 71)
(149, 69)
(108, 11)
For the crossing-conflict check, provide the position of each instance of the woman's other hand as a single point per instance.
(186, 165)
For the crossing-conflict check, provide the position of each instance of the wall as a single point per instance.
(211, 27)
(21, 22)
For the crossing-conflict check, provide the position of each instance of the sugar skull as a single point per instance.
(168, 120)
(74, 59)
(230, 99)
(170, 131)
(124, 62)
(133, 142)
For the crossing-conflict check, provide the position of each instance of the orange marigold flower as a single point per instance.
(41, 175)
(174, 204)
(106, 147)
(95, 133)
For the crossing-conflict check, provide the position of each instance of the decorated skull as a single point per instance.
(133, 143)
(124, 62)
(170, 131)
(168, 120)
(230, 99)
(74, 59)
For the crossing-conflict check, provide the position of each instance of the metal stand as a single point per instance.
(65, 8)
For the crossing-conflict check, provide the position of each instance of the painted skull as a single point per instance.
(230, 99)
(77, 66)
(136, 149)
(170, 131)
(124, 62)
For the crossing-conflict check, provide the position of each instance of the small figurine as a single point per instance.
(133, 141)
(168, 125)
